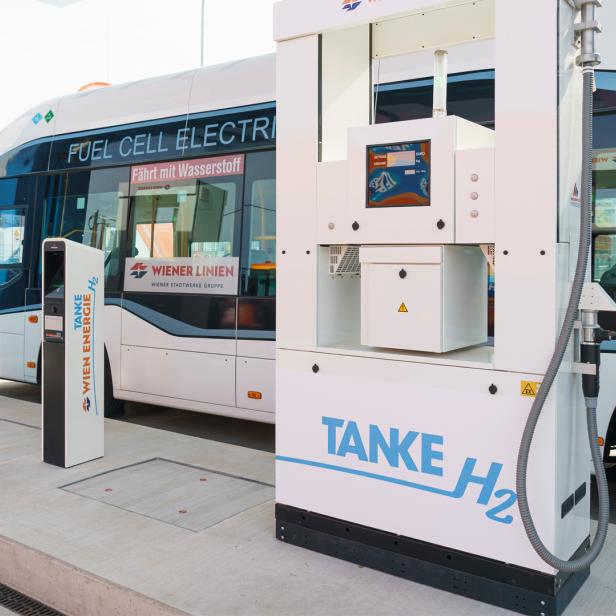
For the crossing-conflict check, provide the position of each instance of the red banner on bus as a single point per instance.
(197, 168)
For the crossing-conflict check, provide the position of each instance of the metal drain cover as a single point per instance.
(175, 493)
(21, 604)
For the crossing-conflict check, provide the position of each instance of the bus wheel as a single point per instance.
(113, 406)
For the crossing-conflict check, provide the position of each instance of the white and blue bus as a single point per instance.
(180, 170)
(163, 175)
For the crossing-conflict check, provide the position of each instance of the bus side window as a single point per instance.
(259, 238)
(91, 211)
(50, 191)
(12, 227)
(13, 208)
(196, 219)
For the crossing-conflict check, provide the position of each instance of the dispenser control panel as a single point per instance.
(401, 183)
(398, 175)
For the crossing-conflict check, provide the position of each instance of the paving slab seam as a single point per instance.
(156, 459)
(19, 423)
(69, 589)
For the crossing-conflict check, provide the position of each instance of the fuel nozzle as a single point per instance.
(590, 353)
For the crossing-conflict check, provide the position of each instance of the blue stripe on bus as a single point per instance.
(252, 334)
(21, 309)
(173, 326)
(167, 324)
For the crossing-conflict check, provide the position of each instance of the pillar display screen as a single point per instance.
(54, 275)
(53, 290)
(399, 175)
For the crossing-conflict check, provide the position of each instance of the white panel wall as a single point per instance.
(332, 224)
(451, 402)
(296, 190)
(431, 29)
(346, 87)
(526, 185)
(295, 18)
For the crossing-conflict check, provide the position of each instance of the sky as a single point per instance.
(49, 50)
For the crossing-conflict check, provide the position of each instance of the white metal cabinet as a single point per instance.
(423, 298)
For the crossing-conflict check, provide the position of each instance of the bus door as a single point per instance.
(181, 279)
(15, 194)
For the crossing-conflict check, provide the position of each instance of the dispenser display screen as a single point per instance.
(399, 175)
(54, 275)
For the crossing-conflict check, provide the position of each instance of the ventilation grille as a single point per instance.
(21, 604)
(344, 260)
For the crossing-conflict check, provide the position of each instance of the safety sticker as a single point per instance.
(403, 308)
(529, 388)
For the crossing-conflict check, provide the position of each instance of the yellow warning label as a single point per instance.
(403, 308)
(529, 388)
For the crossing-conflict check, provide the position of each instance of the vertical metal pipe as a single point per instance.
(439, 107)
(588, 35)
(588, 28)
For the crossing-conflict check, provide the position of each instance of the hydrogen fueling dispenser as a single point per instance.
(73, 353)
(406, 438)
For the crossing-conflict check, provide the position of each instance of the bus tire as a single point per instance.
(113, 406)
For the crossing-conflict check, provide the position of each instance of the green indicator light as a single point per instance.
(49, 116)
